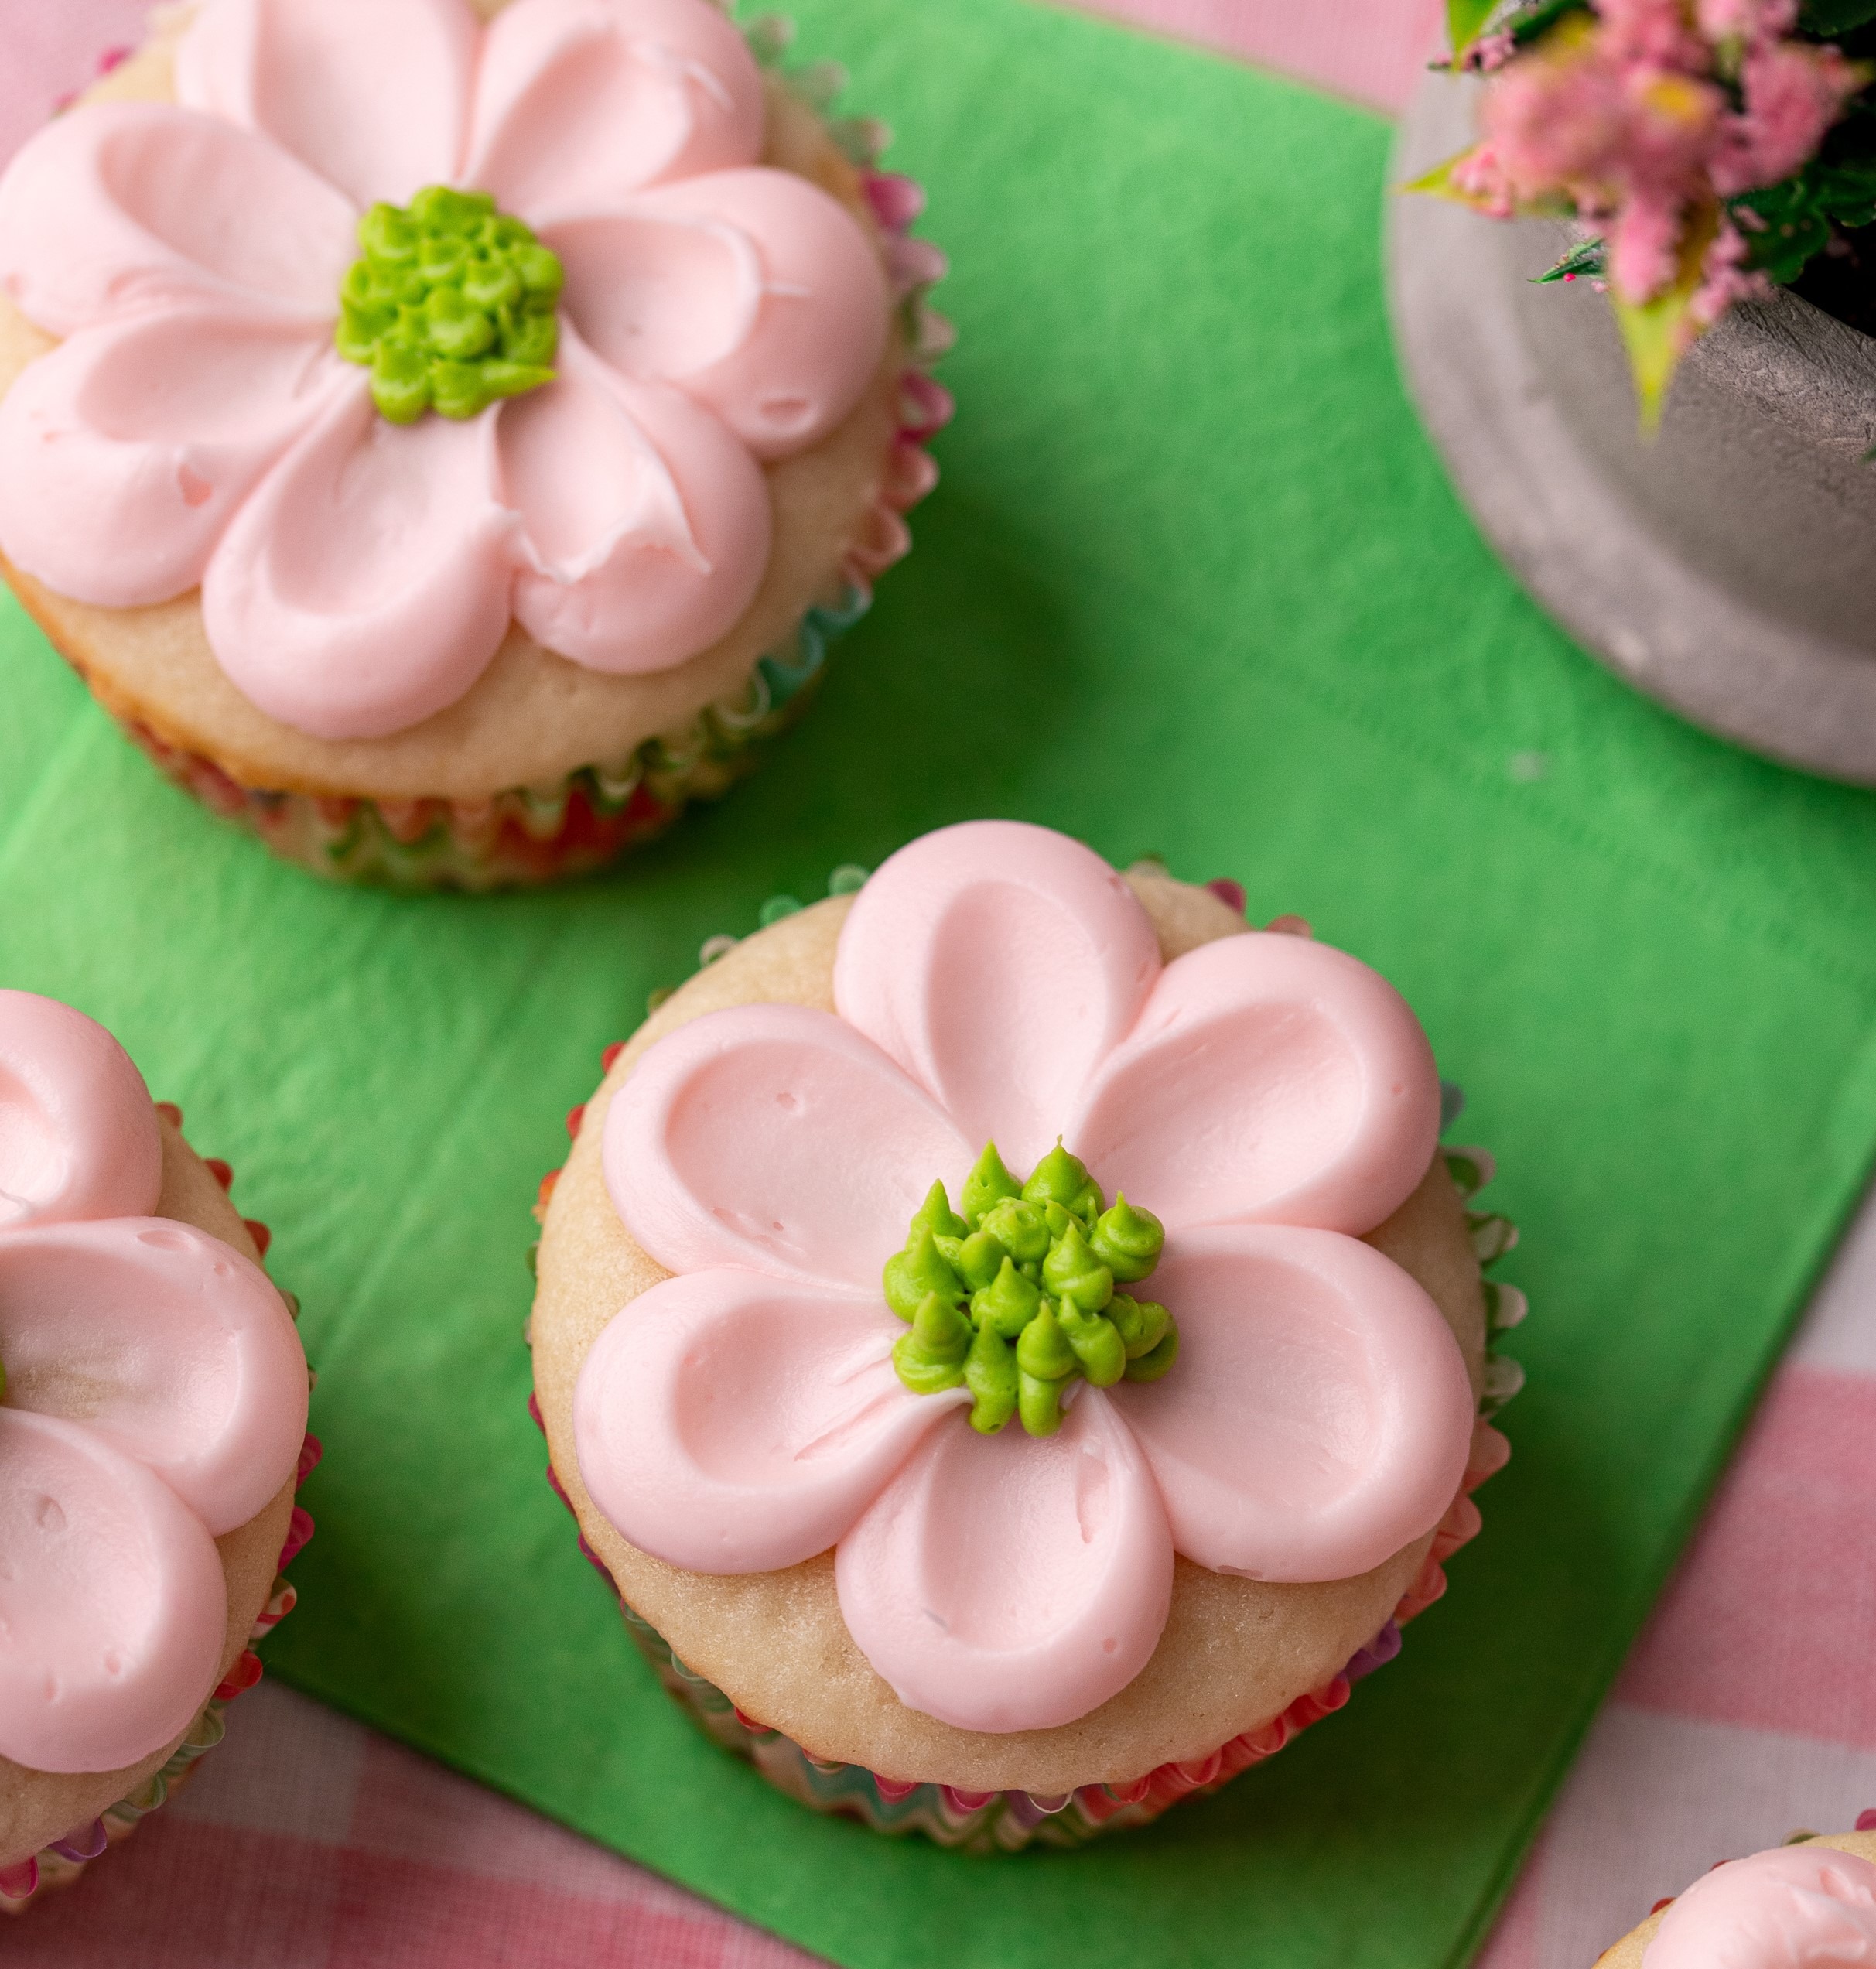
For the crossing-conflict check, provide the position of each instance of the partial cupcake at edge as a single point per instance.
(447, 436)
(1809, 1904)
(1012, 1339)
(153, 1398)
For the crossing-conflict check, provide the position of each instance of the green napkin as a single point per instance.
(1194, 585)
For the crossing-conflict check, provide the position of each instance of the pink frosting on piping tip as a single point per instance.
(996, 981)
(155, 1398)
(1796, 1907)
(197, 425)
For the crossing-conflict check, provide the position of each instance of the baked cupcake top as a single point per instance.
(394, 329)
(152, 1400)
(1034, 1260)
(1811, 1904)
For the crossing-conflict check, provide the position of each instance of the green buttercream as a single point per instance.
(1014, 1298)
(1020, 1228)
(1149, 1367)
(918, 1271)
(1008, 1304)
(451, 304)
(1039, 1403)
(1128, 1241)
(1061, 1178)
(1141, 1324)
(1099, 1351)
(977, 1260)
(1074, 1274)
(989, 1183)
(930, 1358)
(1043, 1349)
(990, 1374)
(936, 1212)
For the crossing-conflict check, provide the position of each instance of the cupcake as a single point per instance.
(1013, 1342)
(447, 437)
(152, 1433)
(1810, 1902)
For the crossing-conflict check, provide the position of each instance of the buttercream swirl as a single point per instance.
(155, 1398)
(1273, 1097)
(1808, 1906)
(198, 426)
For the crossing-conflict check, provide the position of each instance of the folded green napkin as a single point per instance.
(1195, 586)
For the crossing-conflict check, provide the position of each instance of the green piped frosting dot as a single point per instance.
(1013, 1297)
(451, 304)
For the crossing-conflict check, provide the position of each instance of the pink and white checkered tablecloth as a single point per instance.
(1747, 1709)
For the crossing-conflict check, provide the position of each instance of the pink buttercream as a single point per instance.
(1796, 1907)
(155, 1398)
(197, 425)
(78, 1135)
(1269, 1098)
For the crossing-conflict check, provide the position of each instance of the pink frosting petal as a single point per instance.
(365, 584)
(1269, 1079)
(112, 1603)
(172, 1347)
(753, 291)
(78, 1136)
(645, 524)
(581, 103)
(778, 1138)
(1012, 1582)
(1319, 1416)
(149, 430)
(999, 963)
(121, 205)
(728, 1423)
(372, 94)
(1796, 1907)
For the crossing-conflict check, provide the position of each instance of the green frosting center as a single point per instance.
(1013, 1296)
(451, 304)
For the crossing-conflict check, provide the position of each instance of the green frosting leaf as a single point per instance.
(1014, 1299)
(452, 306)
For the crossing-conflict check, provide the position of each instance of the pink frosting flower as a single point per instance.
(1269, 1098)
(197, 426)
(1796, 1907)
(154, 1398)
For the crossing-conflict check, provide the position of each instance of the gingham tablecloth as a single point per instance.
(1747, 1709)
